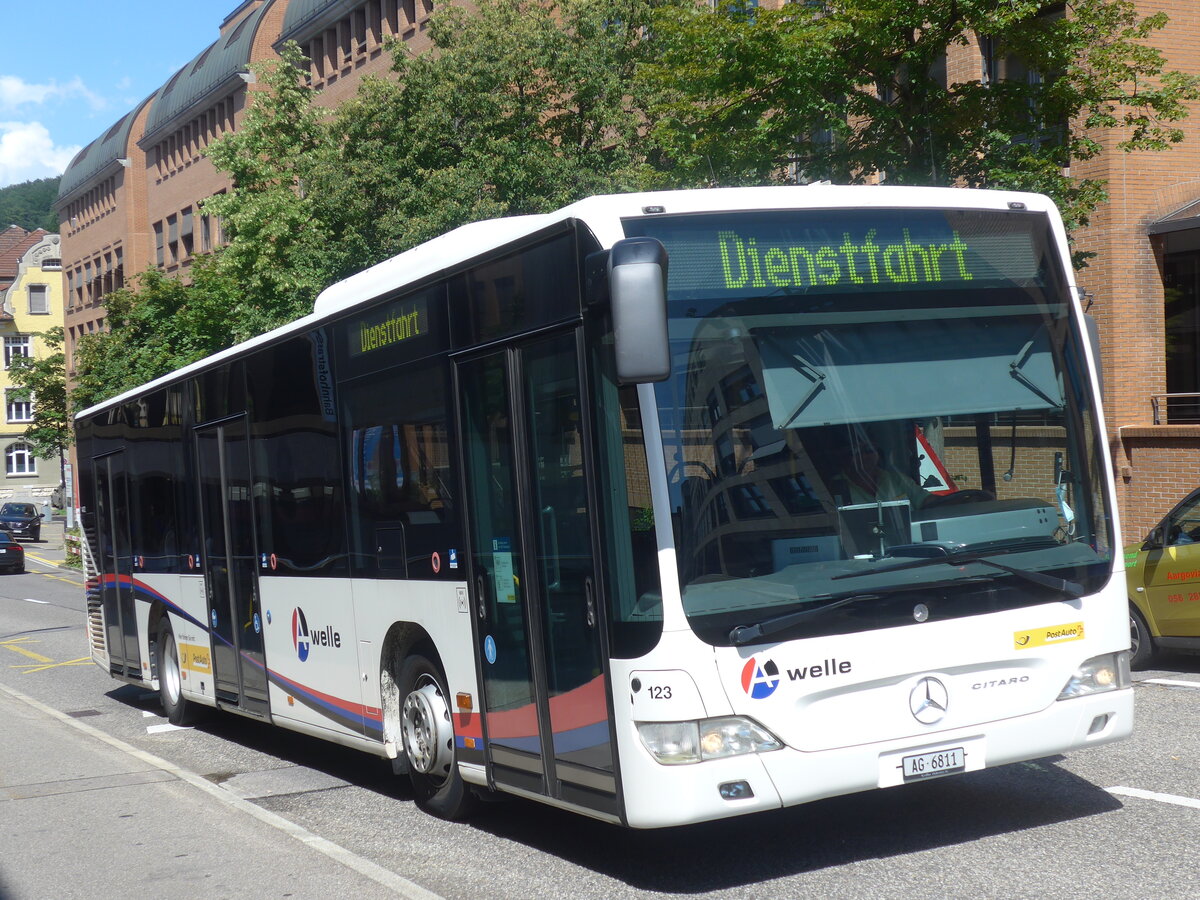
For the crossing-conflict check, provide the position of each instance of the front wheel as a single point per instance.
(1141, 643)
(428, 735)
(178, 709)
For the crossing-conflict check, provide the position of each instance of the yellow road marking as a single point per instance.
(83, 660)
(12, 645)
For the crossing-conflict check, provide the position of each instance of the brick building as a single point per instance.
(130, 199)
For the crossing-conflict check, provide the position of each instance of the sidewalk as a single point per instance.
(82, 812)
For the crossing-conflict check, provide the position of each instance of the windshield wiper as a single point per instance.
(965, 557)
(748, 634)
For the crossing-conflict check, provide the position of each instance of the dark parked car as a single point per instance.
(12, 554)
(21, 520)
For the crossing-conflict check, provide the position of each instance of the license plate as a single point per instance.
(931, 765)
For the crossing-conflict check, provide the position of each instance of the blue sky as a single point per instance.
(71, 68)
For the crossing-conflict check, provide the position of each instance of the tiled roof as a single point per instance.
(14, 241)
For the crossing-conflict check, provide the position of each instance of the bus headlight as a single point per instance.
(1107, 672)
(680, 743)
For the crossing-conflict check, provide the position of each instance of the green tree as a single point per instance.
(524, 106)
(852, 89)
(277, 243)
(155, 325)
(43, 379)
(30, 205)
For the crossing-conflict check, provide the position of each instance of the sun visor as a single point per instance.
(830, 375)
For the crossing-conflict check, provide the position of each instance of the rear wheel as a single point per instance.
(428, 735)
(1141, 644)
(179, 711)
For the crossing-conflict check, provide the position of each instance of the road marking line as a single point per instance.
(36, 657)
(158, 729)
(50, 664)
(31, 600)
(1173, 799)
(386, 877)
(1170, 682)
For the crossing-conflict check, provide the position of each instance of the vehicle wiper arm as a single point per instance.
(748, 634)
(961, 558)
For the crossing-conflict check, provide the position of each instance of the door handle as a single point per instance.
(589, 594)
(481, 606)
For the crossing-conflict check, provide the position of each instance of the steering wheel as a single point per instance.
(959, 497)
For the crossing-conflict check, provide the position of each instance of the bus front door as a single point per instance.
(547, 727)
(230, 576)
(116, 565)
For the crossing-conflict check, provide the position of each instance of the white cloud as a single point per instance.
(27, 152)
(16, 92)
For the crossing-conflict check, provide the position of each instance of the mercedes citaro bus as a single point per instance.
(661, 508)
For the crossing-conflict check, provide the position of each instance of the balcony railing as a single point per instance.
(1176, 409)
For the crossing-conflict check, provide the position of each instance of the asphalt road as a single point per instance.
(1121, 821)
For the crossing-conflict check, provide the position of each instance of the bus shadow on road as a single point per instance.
(824, 834)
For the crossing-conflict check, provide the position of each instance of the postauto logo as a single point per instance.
(759, 679)
(303, 640)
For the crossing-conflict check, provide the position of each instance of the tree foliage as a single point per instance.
(30, 205)
(155, 325)
(852, 90)
(42, 378)
(525, 106)
(276, 240)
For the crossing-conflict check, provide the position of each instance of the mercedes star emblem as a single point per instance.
(928, 701)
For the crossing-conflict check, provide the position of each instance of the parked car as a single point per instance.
(1163, 578)
(21, 520)
(12, 554)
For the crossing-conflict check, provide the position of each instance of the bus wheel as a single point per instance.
(179, 710)
(1141, 645)
(428, 736)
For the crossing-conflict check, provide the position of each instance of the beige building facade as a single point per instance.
(32, 304)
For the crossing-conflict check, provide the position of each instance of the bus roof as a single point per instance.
(603, 215)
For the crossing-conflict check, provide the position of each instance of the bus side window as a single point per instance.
(402, 515)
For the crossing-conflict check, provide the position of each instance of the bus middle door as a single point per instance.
(547, 724)
(230, 571)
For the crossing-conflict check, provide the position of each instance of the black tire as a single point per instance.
(1141, 644)
(178, 709)
(428, 738)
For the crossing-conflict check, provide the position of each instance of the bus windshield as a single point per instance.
(874, 416)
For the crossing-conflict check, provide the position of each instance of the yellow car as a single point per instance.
(1163, 575)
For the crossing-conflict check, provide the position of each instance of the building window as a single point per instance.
(18, 410)
(14, 346)
(39, 299)
(18, 460)
(158, 243)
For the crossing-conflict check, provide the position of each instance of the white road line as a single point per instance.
(1170, 682)
(167, 726)
(1173, 799)
(397, 883)
(47, 603)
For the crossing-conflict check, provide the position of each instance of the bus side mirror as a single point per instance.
(637, 280)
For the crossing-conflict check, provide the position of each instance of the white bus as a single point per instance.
(661, 508)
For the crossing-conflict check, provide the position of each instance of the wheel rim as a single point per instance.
(426, 728)
(1135, 636)
(170, 669)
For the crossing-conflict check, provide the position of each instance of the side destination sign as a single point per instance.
(395, 324)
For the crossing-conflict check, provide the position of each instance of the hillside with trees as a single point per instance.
(30, 205)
